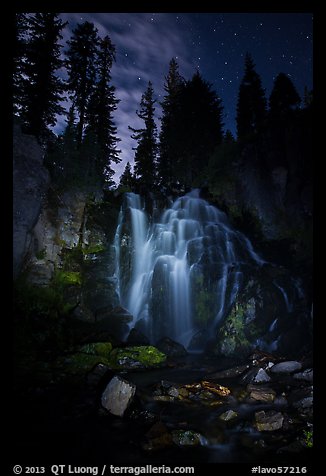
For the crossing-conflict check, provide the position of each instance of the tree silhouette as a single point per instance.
(284, 97)
(168, 150)
(81, 68)
(99, 115)
(42, 89)
(146, 150)
(200, 129)
(251, 106)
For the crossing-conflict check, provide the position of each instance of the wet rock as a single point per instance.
(261, 376)
(228, 415)
(302, 398)
(158, 437)
(307, 375)
(96, 374)
(215, 388)
(255, 375)
(137, 357)
(136, 337)
(261, 394)
(187, 438)
(259, 357)
(280, 401)
(286, 367)
(306, 402)
(170, 347)
(118, 395)
(163, 398)
(268, 421)
(229, 373)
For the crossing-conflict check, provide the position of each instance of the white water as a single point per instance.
(192, 254)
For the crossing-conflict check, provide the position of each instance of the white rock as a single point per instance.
(118, 395)
(262, 376)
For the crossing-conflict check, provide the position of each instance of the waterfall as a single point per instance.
(185, 269)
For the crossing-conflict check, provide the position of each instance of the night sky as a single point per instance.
(214, 43)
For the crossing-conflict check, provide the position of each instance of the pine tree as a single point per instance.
(284, 97)
(251, 106)
(19, 60)
(127, 179)
(81, 68)
(169, 124)
(200, 129)
(146, 150)
(100, 110)
(42, 88)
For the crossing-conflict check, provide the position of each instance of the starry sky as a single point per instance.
(214, 43)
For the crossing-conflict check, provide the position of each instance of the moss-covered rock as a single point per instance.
(79, 363)
(97, 348)
(231, 336)
(68, 278)
(138, 357)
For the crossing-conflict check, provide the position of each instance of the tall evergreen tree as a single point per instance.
(100, 110)
(127, 179)
(251, 106)
(42, 88)
(146, 150)
(19, 60)
(81, 68)
(169, 124)
(284, 97)
(200, 129)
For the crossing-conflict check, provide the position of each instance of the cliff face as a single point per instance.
(30, 183)
(62, 238)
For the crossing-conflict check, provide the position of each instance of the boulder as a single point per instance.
(137, 357)
(171, 348)
(261, 394)
(255, 375)
(268, 421)
(286, 367)
(118, 395)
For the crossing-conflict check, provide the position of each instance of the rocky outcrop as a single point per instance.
(30, 183)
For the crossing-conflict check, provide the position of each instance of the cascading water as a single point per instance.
(182, 273)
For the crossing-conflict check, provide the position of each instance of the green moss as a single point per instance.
(67, 278)
(40, 254)
(79, 363)
(97, 348)
(308, 435)
(232, 338)
(93, 249)
(136, 357)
